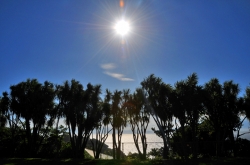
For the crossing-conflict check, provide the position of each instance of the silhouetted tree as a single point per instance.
(32, 101)
(247, 102)
(188, 106)
(214, 110)
(102, 128)
(80, 108)
(53, 142)
(223, 108)
(12, 137)
(4, 109)
(202, 114)
(139, 119)
(157, 95)
(119, 120)
(232, 109)
(245, 112)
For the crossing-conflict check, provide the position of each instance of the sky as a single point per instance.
(61, 40)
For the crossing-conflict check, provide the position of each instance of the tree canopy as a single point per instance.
(189, 117)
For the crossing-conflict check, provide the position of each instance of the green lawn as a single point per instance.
(38, 161)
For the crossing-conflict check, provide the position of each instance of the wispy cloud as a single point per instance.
(108, 66)
(127, 79)
(119, 76)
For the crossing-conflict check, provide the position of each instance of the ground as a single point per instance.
(38, 161)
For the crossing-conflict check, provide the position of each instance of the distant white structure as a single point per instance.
(102, 156)
(66, 138)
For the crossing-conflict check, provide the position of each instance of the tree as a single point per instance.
(53, 142)
(245, 112)
(102, 128)
(223, 108)
(139, 120)
(232, 108)
(214, 110)
(157, 98)
(12, 137)
(119, 120)
(80, 108)
(32, 101)
(188, 105)
(6, 136)
(4, 109)
(247, 102)
(57, 112)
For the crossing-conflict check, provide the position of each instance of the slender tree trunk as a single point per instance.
(231, 137)
(194, 139)
(114, 144)
(183, 141)
(28, 135)
(144, 152)
(79, 146)
(118, 150)
(57, 123)
(220, 142)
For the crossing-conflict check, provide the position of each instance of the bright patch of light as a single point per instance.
(122, 27)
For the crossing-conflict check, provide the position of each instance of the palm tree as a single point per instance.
(179, 112)
(247, 103)
(139, 120)
(190, 95)
(244, 105)
(4, 109)
(222, 107)
(15, 125)
(119, 120)
(214, 110)
(32, 101)
(157, 98)
(81, 110)
(232, 109)
(102, 128)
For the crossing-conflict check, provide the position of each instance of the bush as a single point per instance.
(156, 153)
(66, 151)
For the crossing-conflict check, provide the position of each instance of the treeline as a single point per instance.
(191, 119)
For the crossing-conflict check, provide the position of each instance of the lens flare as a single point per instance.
(122, 27)
(121, 3)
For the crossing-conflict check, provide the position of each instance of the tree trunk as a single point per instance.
(231, 137)
(183, 139)
(194, 139)
(118, 151)
(165, 150)
(28, 134)
(114, 142)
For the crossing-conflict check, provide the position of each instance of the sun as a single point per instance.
(122, 27)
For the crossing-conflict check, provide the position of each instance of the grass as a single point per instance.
(39, 161)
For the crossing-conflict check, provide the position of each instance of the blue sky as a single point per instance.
(61, 40)
(74, 39)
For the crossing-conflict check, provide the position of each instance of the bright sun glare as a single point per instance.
(122, 27)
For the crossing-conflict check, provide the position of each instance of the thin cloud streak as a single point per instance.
(118, 76)
(108, 66)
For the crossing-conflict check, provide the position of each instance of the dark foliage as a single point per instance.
(194, 121)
